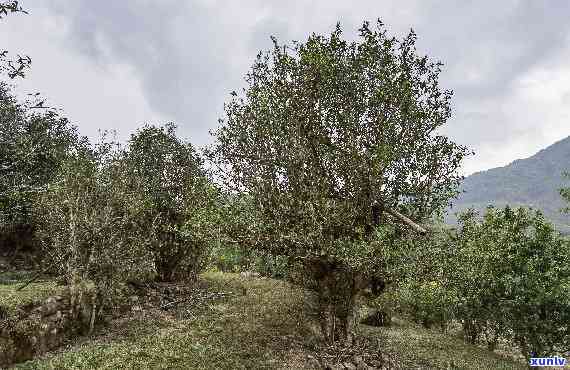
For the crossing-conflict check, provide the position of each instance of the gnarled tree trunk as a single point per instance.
(337, 289)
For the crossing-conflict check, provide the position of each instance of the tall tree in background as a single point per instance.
(33, 144)
(326, 137)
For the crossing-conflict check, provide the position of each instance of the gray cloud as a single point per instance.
(178, 53)
(189, 55)
(487, 46)
(498, 39)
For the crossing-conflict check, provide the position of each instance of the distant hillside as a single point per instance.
(533, 182)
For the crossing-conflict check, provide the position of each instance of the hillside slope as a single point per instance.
(533, 182)
(233, 322)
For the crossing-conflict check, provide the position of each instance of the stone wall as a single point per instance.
(38, 328)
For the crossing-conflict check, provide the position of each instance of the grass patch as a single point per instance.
(238, 332)
(10, 297)
(265, 328)
(415, 347)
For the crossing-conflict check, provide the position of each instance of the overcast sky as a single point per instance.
(119, 64)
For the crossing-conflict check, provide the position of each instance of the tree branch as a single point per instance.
(406, 220)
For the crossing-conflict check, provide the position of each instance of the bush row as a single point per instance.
(503, 277)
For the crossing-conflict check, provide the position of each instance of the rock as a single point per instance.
(43, 327)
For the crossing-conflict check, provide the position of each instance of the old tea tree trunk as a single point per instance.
(333, 142)
(338, 287)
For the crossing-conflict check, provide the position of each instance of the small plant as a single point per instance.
(427, 303)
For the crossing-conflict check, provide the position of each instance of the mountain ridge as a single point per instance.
(531, 182)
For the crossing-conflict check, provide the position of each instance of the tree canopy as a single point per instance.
(329, 132)
(180, 199)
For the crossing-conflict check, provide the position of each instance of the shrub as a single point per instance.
(428, 303)
(180, 202)
(272, 266)
(236, 259)
(512, 273)
(230, 259)
(89, 224)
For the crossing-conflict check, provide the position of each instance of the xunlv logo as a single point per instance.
(547, 361)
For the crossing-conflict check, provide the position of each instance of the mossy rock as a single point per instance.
(35, 328)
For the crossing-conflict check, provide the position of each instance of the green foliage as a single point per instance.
(13, 67)
(320, 137)
(512, 273)
(89, 223)
(180, 202)
(428, 304)
(240, 228)
(504, 276)
(113, 215)
(32, 149)
(418, 271)
(272, 266)
(230, 259)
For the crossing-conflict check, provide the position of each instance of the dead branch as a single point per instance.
(406, 220)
